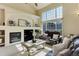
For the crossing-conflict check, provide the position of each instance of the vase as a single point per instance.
(0, 40)
(34, 41)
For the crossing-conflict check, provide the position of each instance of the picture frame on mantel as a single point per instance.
(11, 23)
(23, 23)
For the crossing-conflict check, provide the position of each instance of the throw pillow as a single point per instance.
(55, 36)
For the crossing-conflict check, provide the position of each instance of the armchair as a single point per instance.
(70, 47)
(60, 47)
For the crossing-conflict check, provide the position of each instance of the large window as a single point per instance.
(59, 12)
(52, 19)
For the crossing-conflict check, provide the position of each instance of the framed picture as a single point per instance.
(23, 22)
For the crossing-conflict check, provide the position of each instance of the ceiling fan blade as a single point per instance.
(36, 4)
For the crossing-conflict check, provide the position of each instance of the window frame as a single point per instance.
(55, 17)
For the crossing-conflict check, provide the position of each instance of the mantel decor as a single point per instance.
(23, 22)
(11, 23)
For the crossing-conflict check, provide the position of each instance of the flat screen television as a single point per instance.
(15, 37)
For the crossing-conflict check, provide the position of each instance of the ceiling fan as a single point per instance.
(36, 4)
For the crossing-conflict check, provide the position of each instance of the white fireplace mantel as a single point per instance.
(9, 29)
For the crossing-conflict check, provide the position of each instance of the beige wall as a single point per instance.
(22, 7)
(2, 16)
(70, 17)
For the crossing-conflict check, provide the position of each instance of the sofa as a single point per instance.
(55, 38)
(51, 37)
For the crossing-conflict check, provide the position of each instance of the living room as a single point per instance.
(38, 29)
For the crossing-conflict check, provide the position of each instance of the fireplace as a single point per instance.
(28, 35)
(15, 37)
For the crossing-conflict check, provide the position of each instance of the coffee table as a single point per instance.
(32, 47)
(45, 52)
